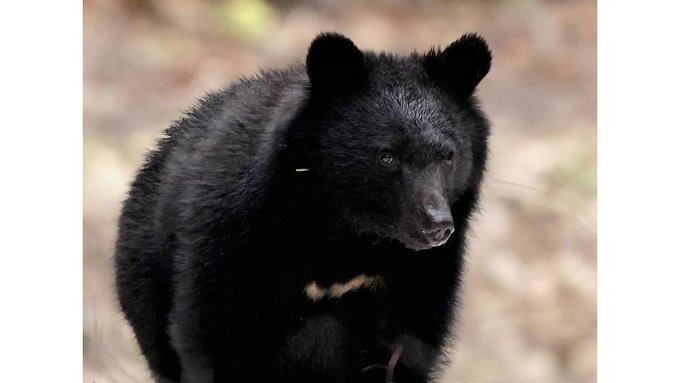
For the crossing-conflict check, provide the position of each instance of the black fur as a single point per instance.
(357, 163)
(461, 66)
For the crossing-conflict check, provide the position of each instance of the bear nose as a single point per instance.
(436, 220)
(439, 231)
(438, 225)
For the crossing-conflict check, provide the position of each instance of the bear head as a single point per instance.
(399, 139)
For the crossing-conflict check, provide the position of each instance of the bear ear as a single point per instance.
(461, 66)
(335, 65)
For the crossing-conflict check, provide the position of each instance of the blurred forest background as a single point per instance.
(528, 313)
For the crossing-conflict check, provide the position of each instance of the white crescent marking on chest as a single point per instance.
(337, 290)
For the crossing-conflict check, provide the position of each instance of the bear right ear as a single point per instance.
(461, 66)
(335, 65)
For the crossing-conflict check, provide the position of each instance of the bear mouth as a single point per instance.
(418, 242)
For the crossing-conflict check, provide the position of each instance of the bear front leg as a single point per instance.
(188, 342)
(187, 330)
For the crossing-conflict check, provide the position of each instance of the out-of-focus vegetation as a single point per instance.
(528, 312)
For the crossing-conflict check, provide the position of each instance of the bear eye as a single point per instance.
(386, 158)
(449, 158)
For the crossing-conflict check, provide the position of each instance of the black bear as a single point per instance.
(309, 224)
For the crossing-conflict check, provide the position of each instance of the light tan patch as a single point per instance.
(337, 290)
(314, 292)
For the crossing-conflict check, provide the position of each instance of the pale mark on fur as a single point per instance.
(337, 290)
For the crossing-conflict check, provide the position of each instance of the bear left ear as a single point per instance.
(461, 66)
(335, 65)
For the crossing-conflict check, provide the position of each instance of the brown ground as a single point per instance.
(529, 303)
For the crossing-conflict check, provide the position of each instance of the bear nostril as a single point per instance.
(441, 234)
(440, 226)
